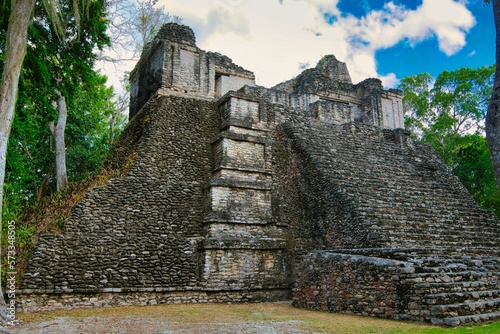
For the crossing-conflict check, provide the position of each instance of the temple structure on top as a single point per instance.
(175, 65)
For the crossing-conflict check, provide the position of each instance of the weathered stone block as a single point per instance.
(236, 269)
(240, 205)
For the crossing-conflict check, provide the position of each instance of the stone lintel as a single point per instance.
(237, 95)
(244, 169)
(219, 218)
(252, 138)
(241, 243)
(241, 184)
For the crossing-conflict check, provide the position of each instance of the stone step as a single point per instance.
(466, 319)
(442, 240)
(466, 309)
(459, 297)
(443, 259)
(454, 234)
(468, 232)
(464, 266)
(448, 277)
(448, 229)
(440, 259)
(427, 241)
(459, 267)
(436, 288)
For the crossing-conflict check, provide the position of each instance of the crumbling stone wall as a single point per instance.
(330, 84)
(354, 284)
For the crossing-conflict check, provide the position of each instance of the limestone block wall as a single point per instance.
(173, 67)
(238, 268)
(333, 112)
(174, 64)
(392, 110)
(225, 83)
(233, 152)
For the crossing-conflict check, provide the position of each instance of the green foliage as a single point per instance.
(454, 104)
(60, 60)
(449, 114)
(53, 65)
(417, 102)
(472, 165)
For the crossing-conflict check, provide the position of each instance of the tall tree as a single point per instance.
(58, 134)
(133, 24)
(70, 63)
(451, 106)
(56, 72)
(417, 102)
(493, 115)
(448, 114)
(15, 50)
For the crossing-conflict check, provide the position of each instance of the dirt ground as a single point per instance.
(129, 325)
(265, 318)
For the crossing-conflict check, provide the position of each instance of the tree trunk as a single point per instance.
(493, 114)
(112, 128)
(15, 51)
(58, 133)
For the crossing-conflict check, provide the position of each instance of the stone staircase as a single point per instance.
(411, 209)
(441, 286)
(405, 194)
(455, 290)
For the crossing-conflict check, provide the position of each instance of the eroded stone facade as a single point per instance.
(245, 193)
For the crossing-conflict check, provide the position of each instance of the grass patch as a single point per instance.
(314, 321)
(478, 329)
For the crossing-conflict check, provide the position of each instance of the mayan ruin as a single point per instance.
(310, 191)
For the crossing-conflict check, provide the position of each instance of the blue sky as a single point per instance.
(376, 38)
(426, 57)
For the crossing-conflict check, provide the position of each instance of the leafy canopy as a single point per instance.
(448, 113)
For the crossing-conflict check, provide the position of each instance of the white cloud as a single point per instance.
(272, 37)
(447, 20)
